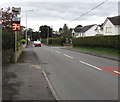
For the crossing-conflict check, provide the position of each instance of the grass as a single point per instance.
(100, 50)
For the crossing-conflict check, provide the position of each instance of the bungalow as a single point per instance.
(77, 31)
(111, 26)
(89, 30)
(99, 29)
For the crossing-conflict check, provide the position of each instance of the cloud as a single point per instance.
(58, 12)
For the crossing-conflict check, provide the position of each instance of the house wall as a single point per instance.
(99, 31)
(90, 32)
(77, 34)
(110, 29)
(117, 29)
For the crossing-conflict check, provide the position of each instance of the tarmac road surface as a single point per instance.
(77, 76)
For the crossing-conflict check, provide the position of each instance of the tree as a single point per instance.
(66, 34)
(46, 31)
(78, 28)
(8, 36)
(29, 33)
(36, 36)
(65, 27)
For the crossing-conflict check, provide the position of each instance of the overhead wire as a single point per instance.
(89, 11)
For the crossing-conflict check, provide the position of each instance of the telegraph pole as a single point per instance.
(47, 35)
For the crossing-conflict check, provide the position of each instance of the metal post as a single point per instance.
(47, 35)
(15, 46)
(26, 30)
(52, 34)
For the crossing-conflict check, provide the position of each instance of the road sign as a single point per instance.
(16, 10)
(15, 27)
(16, 24)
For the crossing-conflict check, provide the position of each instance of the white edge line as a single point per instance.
(51, 87)
(117, 72)
(68, 56)
(90, 65)
(57, 51)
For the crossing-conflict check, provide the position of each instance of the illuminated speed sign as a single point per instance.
(16, 24)
(15, 27)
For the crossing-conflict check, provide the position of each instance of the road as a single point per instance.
(77, 76)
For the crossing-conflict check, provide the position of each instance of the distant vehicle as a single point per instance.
(37, 43)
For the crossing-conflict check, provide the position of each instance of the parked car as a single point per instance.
(37, 43)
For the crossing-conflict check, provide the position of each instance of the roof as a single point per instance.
(115, 20)
(85, 28)
(99, 26)
(78, 29)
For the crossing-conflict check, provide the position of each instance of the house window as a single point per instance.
(108, 29)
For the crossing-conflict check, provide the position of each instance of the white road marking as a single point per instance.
(117, 72)
(50, 86)
(57, 51)
(68, 56)
(90, 65)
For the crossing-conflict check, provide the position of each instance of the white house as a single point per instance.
(77, 32)
(89, 30)
(111, 26)
(99, 29)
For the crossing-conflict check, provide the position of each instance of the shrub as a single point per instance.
(23, 41)
(109, 41)
(53, 41)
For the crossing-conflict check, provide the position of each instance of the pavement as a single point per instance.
(25, 80)
(112, 57)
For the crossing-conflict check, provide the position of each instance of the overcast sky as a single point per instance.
(56, 13)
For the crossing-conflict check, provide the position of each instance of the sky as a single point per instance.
(56, 13)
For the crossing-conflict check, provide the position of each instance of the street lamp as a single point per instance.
(26, 25)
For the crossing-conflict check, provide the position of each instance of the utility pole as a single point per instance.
(52, 34)
(47, 35)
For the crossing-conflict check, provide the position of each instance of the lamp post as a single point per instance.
(26, 26)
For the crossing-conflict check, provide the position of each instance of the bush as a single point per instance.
(109, 41)
(8, 56)
(54, 41)
(23, 41)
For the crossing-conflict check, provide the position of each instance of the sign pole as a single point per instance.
(16, 26)
(15, 46)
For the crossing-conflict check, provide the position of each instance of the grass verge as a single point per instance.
(100, 50)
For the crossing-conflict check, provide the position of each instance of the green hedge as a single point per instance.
(54, 41)
(98, 41)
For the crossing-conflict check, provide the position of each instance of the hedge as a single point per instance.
(54, 41)
(109, 41)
